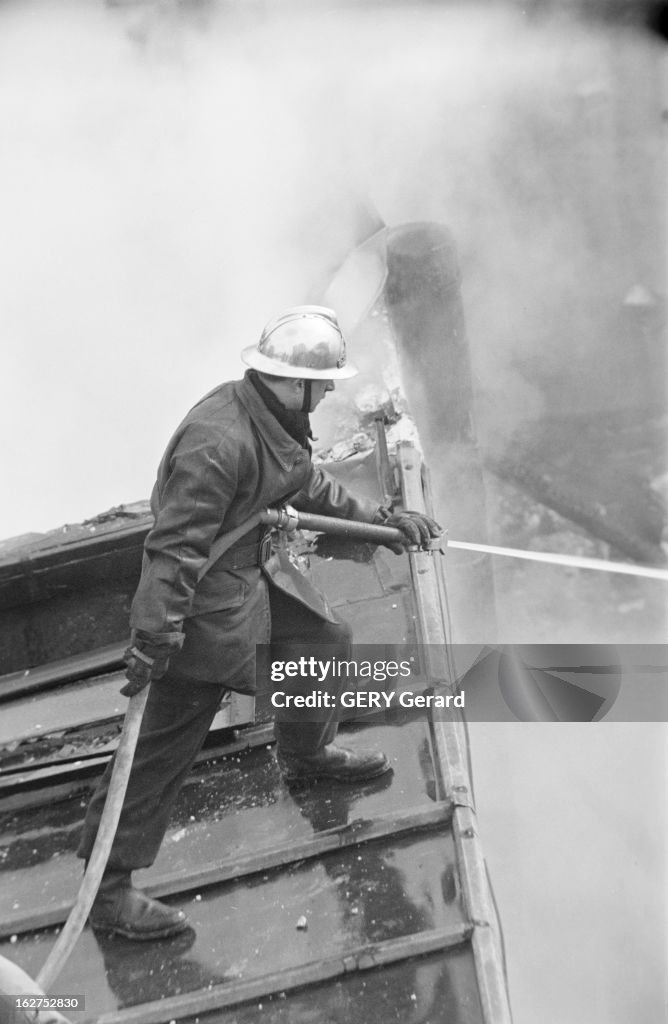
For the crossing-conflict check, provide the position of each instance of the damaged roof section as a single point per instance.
(356, 900)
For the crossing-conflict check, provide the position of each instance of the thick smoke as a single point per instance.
(154, 195)
(173, 175)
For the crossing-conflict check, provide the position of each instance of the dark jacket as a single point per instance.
(228, 459)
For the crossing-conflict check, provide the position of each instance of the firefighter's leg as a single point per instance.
(176, 720)
(305, 735)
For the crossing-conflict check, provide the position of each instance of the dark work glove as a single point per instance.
(417, 528)
(146, 660)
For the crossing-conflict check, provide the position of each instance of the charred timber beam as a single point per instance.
(426, 315)
(594, 517)
(27, 788)
(65, 670)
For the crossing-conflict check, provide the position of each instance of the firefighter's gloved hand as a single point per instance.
(141, 668)
(148, 659)
(417, 528)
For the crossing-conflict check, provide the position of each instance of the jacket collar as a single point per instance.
(284, 448)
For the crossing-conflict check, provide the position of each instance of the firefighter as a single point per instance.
(243, 447)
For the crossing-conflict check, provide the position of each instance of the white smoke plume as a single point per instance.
(174, 174)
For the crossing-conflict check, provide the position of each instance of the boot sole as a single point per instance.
(158, 933)
(333, 776)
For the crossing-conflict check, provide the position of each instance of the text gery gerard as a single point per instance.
(368, 699)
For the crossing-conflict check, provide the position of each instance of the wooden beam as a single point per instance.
(55, 673)
(450, 742)
(424, 569)
(38, 572)
(355, 833)
(82, 768)
(451, 750)
(232, 993)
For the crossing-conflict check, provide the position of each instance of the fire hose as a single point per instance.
(289, 519)
(102, 848)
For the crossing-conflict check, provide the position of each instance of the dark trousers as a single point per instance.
(178, 716)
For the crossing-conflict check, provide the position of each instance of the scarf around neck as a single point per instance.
(296, 424)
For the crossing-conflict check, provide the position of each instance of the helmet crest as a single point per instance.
(304, 341)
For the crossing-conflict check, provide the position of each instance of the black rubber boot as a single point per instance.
(121, 909)
(334, 762)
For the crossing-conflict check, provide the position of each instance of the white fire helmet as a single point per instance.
(303, 342)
